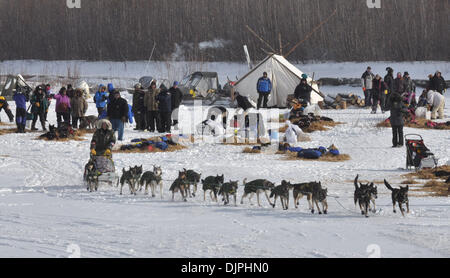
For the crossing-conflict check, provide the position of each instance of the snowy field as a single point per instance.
(45, 211)
(125, 74)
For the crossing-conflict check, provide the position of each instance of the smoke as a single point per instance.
(216, 43)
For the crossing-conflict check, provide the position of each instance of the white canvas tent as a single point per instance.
(284, 76)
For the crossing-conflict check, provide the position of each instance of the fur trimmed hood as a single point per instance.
(100, 123)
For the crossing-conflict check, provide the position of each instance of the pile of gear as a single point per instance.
(311, 153)
(305, 121)
(341, 101)
(150, 145)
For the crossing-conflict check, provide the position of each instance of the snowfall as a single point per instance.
(46, 211)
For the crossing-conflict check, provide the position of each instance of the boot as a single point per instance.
(33, 125)
(22, 126)
(43, 126)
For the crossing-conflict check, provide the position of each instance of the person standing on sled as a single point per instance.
(103, 139)
(366, 80)
(398, 110)
(263, 87)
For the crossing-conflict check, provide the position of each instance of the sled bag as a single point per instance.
(161, 145)
(309, 154)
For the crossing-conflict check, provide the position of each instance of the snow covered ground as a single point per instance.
(46, 212)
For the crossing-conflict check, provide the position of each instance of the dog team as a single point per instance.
(186, 183)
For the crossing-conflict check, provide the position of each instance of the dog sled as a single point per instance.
(99, 169)
(417, 154)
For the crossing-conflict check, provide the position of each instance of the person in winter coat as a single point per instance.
(39, 105)
(378, 88)
(399, 84)
(5, 106)
(263, 87)
(437, 103)
(151, 106)
(177, 98)
(398, 110)
(111, 89)
(103, 139)
(389, 83)
(164, 99)
(410, 90)
(100, 99)
(70, 91)
(438, 83)
(79, 107)
(366, 81)
(48, 94)
(303, 91)
(62, 106)
(242, 102)
(21, 109)
(138, 107)
(118, 113)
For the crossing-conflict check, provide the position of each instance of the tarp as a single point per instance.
(284, 76)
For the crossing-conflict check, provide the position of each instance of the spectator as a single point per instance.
(243, 102)
(263, 87)
(5, 106)
(21, 109)
(152, 107)
(100, 99)
(79, 107)
(438, 82)
(399, 84)
(165, 109)
(62, 107)
(378, 89)
(303, 91)
(398, 110)
(367, 80)
(177, 98)
(48, 94)
(138, 107)
(409, 96)
(117, 112)
(39, 105)
(389, 83)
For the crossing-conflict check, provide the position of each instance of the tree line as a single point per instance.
(215, 30)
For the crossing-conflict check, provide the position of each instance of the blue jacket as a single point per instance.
(100, 98)
(21, 100)
(264, 85)
(165, 101)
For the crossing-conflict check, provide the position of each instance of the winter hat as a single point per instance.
(138, 86)
(175, 83)
(304, 76)
(264, 73)
(153, 83)
(110, 87)
(389, 69)
(406, 73)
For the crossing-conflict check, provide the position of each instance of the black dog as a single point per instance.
(362, 196)
(399, 195)
(227, 189)
(281, 191)
(213, 184)
(192, 178)
(131, 177)
(373, 192)
(257, 186)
